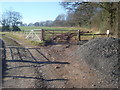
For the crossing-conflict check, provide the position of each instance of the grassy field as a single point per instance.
(54, 28)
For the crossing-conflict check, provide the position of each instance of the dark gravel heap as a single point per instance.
(102, 54)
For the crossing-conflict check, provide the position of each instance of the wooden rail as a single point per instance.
(53, 33)
(93, 35)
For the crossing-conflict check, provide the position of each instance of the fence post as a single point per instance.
(93, 36)
(53, 34)
(24, 32)
(108, 32)
(79, 38)
(42, 34)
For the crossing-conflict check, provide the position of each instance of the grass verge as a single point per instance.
(21, 38)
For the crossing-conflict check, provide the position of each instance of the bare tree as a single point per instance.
(10, 19)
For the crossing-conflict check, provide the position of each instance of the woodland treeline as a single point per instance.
(98, 15)
(92, 15)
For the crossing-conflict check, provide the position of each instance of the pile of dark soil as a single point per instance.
(102, 54)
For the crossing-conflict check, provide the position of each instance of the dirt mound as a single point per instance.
(102, 54)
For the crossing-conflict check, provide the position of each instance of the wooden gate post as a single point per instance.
(93, 36)
(42, 34)
(53, 34)
(108, 32)
(79, 38)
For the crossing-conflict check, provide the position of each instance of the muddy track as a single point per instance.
(27, 67)
(23, 67)
(20, 71)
